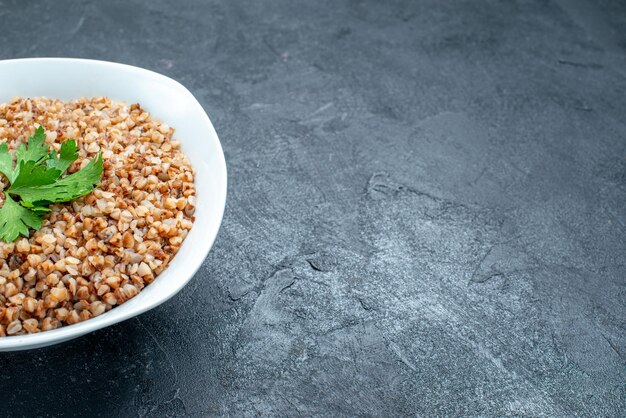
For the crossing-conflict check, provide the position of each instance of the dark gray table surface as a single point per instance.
(426, 211)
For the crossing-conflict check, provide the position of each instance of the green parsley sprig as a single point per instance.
(37, 181)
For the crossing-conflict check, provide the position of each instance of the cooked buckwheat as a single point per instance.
(102, 249)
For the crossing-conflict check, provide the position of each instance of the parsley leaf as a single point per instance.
(15, 220)
(37, 148)
(33, 174)
(6, 163)
(67, 155)
(42, 187)
(36, 182)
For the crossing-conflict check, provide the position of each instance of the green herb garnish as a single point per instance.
(37, 181)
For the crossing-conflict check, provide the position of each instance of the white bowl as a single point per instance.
(164, 98)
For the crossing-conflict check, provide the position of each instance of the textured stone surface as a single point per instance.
(426, 212)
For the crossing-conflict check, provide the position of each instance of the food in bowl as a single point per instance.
(99, 250)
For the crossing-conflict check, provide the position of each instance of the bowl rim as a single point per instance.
(45, 338)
